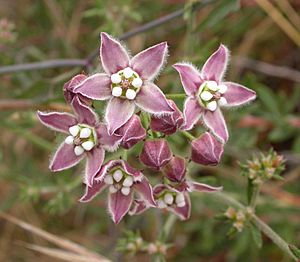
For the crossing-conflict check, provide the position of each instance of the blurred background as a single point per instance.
(264, 39)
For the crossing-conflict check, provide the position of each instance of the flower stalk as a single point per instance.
(188, 135)
(263, 227)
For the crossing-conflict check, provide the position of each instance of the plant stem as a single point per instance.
(284, 246)
(254, 197)
(167, 227)
(188, 135)
(281, 243)
(174, 96)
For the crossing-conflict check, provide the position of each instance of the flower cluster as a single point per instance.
(127, 84)
(263, 168)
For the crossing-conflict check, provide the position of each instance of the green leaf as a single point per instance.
(281, 133)
(295, 251)
(256, 235)
(221, 10)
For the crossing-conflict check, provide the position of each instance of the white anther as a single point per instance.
(88, 145)
(115, 78)
(108, 180)
(128, 72)
(74, 130)
(181, 204)
(130, 94)
(69, 140)
(206, 96)
(112, 189)
(222, 101)
(78, 150)
(125, 191)
(117, 91)
(137, 82)
(128, 181)
(161, 203)
(168, 198)
(85, 132)
(212, 85)
(212, 106)
(222, 89)
(179, 198)
(118, 175)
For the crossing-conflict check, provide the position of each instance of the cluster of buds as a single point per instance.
(157, 248)
(133, 243)
(263, 168)
(127, 84)
(238, 218)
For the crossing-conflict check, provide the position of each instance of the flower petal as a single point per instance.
(152, 100)
(214, 68)
(114, 56)
(122, 164)
(167, 124)
(94, 162)
(175, 170)
(132, 132)
(190, 78)
(237, 95)
(119, 205)
(149, 62)
(145, 190)
(84, 113)
(138, 206)
(91, 192)
(216, 124)
(192, 112)
(207, 150)
(195, 186)
(109, 142)
(95, 87)
(57, 121)
(64, 158)
(117, 113)
(183, 212)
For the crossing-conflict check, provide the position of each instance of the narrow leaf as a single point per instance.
(256, 235)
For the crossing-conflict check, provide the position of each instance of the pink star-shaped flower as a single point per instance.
(207, 92)
(122, 181)
(127, 82)
(87, 137)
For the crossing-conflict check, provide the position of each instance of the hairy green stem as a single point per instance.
(254, 197)
(263, 227)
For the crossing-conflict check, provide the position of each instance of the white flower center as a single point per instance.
(83, 137)
(125, 84)
(211, 95)
(118, 179)
(168, 198)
